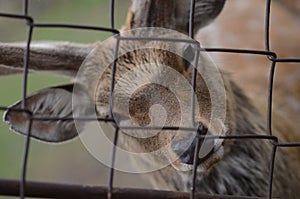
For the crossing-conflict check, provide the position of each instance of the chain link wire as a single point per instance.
(23, 188)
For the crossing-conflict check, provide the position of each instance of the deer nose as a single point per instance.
(185, 148)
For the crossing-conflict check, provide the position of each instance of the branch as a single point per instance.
(60, 57)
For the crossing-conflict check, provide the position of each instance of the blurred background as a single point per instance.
(240, 25)
(69, 162)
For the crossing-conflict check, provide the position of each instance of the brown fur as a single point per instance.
(238, 167)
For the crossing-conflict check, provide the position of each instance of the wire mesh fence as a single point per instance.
(24, 188)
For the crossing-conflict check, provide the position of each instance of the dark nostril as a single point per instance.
(187, 156)
(185, 149)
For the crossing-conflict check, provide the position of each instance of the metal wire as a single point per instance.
(23, 104)
(24, 188)
(46, 190)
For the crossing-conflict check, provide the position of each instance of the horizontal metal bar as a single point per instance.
(286, 60)
(74, 26)
(164, 39)
(288, 144)
(55, 190)
(241, 51)
(16, 16)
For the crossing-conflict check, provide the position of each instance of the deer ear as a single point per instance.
(50, 103)
(206, 12)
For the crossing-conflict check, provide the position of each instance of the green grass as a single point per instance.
(59, 163)
(11, 144)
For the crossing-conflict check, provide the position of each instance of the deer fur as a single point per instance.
(235, 167)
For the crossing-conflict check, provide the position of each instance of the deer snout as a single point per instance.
(186, 153)
(183, 149)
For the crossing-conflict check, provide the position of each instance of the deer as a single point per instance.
(228, 167)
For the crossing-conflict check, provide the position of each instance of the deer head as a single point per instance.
(93, 82)
(153, 87)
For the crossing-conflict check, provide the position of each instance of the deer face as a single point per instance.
(153, 88)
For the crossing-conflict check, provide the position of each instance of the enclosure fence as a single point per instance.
(23, 188)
